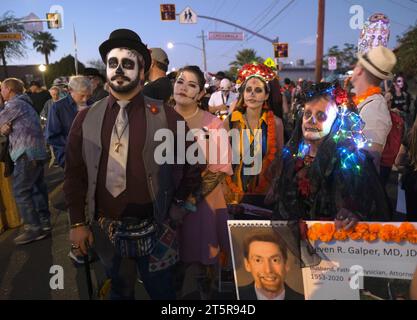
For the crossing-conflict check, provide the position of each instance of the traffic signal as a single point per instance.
(54, 20)
(167, 12)
(281, 50)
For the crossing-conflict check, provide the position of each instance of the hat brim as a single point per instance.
(373, 70)
(110, 44)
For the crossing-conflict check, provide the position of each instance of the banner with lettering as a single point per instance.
(374, 261)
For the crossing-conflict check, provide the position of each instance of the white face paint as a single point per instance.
(122, 69)
(318, 119)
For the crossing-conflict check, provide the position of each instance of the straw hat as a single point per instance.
(379, 61)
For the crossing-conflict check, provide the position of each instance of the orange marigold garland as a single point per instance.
(370, 92)
(266, 162)
(364, 231)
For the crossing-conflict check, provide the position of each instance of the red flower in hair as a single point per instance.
(341, 96)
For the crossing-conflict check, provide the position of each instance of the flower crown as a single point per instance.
(260, 71)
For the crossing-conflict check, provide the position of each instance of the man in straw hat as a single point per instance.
(110, 164)
(372, 68)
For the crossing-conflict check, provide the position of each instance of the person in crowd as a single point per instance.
(203, 234)
(252, 183)
(371, 69)
(159, 86)
(38, 95)
(55, 96)
(406, 161)
(27, 149)
(62, 114)
(112, 163)
(266, 258)
(393, 143)
(218, 77)
(326, 174)
(221, 100)
(401, 99)
(97, 85)
(62, 84)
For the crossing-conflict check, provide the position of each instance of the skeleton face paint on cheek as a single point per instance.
(318, 119)
(123, 70)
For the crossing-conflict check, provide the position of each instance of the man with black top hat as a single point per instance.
(159, 86)
(133, 202)
(97, 82)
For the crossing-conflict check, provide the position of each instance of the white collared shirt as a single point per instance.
(260, 296)
(218, 99)
(374, 112)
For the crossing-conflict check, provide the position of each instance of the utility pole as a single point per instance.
(320, 40)
(204, 50)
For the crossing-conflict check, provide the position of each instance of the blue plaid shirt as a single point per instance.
(26, 135)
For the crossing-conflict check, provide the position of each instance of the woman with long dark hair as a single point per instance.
(203, 237)
(255, 123)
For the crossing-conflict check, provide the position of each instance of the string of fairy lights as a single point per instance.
(350, 132)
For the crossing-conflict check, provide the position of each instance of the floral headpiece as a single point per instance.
(260, 71)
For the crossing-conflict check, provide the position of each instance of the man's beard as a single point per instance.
(126, 88)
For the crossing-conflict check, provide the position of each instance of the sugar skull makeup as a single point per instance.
(318, 119)
(124, 67)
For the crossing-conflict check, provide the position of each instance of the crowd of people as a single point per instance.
(304, 151)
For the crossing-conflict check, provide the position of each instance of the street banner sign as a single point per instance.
(167, 12)
(280, 50)
(332, 62)
(188, 16)
(233, 36)
(11, 36)
(270, 63)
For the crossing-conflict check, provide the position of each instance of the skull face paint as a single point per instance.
(123, 69)
(318, 119)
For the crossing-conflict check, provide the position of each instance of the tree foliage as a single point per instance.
(346, 57)
(45, 43)
(98, 64)
(11, 49)
(63, 67)
(406, 53)
(243, 57)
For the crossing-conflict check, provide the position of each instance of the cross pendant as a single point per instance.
(118, 145)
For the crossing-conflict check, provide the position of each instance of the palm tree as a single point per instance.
(45, 43)
(11, 49)
(246, 56)
(243, 57)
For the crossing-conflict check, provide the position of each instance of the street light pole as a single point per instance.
(204, 51)
(42, 69)
(171, 45)
(320, 40)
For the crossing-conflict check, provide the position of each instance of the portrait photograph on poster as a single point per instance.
(371, 261)
(265, 267)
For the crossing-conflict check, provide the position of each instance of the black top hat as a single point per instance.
(125, 38)
(93, 72)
